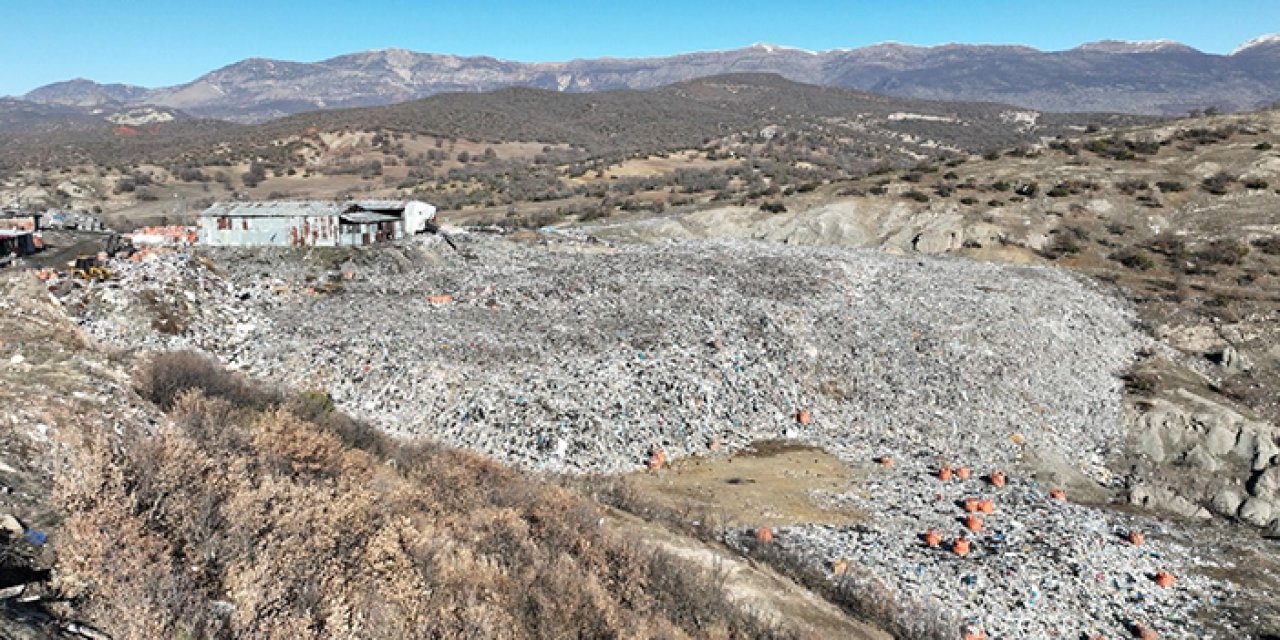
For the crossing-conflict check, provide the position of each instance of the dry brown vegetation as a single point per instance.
(856, 592)
(529, 156)
(253, 518)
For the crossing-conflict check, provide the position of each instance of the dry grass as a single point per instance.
(863, 596)
(258, 519)
(859, 594)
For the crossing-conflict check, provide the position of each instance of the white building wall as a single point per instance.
(416, 216)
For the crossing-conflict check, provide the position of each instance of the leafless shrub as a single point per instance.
(1133, 258)
(165, 376)
(1224, 251)
(287, 519)
(1130, 186)
(1269, 245)
(1218, 183)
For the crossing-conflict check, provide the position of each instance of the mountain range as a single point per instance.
(864, 126)
(1152, 77)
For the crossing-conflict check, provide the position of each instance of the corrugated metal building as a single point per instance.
(293, 223)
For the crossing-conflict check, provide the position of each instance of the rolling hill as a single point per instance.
(1159, 77)
(622, 122)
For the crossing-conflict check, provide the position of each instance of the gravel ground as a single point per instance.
(568, 355)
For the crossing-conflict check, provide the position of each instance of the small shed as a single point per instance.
(17, 243)
(311, 223)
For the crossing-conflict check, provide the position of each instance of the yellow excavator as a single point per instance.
(88, 267)
(94, 266)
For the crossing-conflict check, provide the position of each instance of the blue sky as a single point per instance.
(155, 43)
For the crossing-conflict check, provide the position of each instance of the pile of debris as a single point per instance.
(584, 359)
(167, 300)
(168, 236)
(1034, 567)
(568, 355)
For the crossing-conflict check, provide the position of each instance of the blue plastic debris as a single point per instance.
(36, 537)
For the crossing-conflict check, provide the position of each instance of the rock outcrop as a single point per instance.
(1206, 457)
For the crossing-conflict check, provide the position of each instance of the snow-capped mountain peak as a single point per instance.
(1270, 38)
(775, 48)
(1131, 46)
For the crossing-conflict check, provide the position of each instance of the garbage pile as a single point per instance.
(167, 300)
(567, 355)
(168, 235)
(1029, 566)
(585, 359)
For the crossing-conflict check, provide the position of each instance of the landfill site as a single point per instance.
(504, 326)
(975, 413)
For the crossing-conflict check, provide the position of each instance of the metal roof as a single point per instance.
(295, 208)
(380, 205)
(367, 217)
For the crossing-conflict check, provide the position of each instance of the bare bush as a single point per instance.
(1130, 186)
(1226, 252)
(1218, 183)
(1269, 245)
(165, 376)
(1134, 259)
(290, 520)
